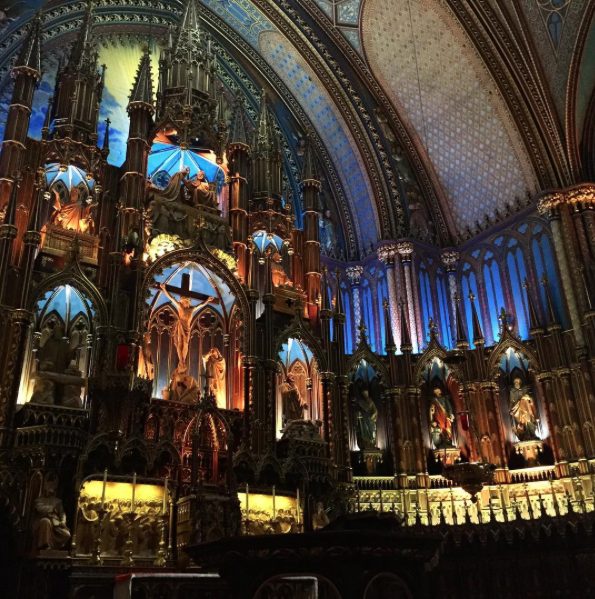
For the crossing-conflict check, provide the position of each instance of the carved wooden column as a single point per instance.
(15, 325)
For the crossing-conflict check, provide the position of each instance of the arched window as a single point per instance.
(543, 259)
(427, 305)
(517, 273)
(494, 295)
(349, 330)
(554, 25)
(468, 285)
(444, 329)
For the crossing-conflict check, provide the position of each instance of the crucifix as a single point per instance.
(186, 311)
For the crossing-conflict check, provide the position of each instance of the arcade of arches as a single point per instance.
(297, 299)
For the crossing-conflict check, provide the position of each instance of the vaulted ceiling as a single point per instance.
(455, 108)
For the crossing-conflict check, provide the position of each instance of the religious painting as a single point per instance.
(193, 337)
(299, 394)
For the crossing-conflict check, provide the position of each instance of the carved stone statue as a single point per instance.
(165, 218)
(523, 412)
(200, 191)
(292, 406)
(50, 530)
(329, 241)
(75, 215)
(181, 334)
(184, 387)
(441, 420)
(367, 421)
(319, 519)
(56, 351)
(146, 369)
(173, 190)
(43, 392)
(215, 370)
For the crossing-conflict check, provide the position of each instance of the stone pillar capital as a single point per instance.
(450, 259)
(405, 249)
(578, 197)
(354, 274)
(387, 253)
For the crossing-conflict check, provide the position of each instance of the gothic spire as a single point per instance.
(461, 334)
(534, 324)
(478, 338)
(265, 136)
(83, 56)
(406, 345)
(142, 88)
(309, 164)
(30, 54)
(106, 136)
(238, 128)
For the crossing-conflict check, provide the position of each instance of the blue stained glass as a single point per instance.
(368, 313)
(444, 319)
(469, 285)
(516, 269)
(382, 295)
(348, 319)
(493, 288)
(427, 307)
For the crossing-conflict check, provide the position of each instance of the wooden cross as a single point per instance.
(185, 291)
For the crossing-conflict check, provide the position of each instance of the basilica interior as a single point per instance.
(297, 299)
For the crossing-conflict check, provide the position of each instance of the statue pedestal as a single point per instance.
(530, 450)
(371, 458)
(448, 456)
(63, 389)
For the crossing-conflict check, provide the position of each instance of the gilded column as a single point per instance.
(450, 260)
(354, 274)
(551, 206)
(405, 249)
(387, 254)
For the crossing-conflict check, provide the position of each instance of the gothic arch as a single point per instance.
(298, 331)
(200, 255)
(509, 342)
(363, 352)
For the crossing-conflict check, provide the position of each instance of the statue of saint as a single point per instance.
(75, 215)
(523, 412)
(215, 370)
(200, 191)
(367, 421)
(146, 369)
(329, 240)
(319, 519)
(441, 420)
(50, 530)
(181, 335)
(173, 190)
(292, 406)
(184, 387)
(55, 353)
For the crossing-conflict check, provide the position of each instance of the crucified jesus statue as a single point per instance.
(181, 335)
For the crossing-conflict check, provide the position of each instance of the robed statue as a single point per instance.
(292, 406)
(200, 191)
(215, 370)
(367, 421)
(49, 530)
(441, 420)
(523, 411)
